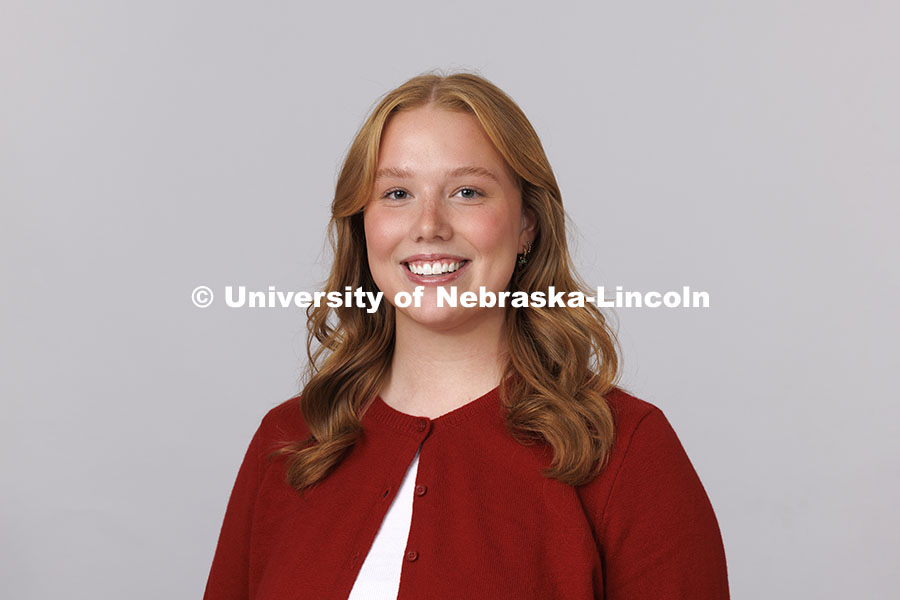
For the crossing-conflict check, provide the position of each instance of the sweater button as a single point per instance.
(422, 425)
(421, 489)
(412, 555)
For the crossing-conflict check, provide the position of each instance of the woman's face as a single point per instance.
(444, 211)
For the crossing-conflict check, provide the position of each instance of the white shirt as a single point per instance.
(379, 576)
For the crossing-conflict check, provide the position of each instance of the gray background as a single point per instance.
(749, 149)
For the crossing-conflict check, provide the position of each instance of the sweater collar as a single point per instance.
(382, 413)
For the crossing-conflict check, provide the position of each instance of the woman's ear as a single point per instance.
(529, 226)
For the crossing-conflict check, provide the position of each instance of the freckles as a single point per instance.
(383, 231)
(493, 229)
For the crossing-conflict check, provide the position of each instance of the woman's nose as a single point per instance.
(432, 222)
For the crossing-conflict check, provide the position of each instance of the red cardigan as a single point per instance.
(486, 523)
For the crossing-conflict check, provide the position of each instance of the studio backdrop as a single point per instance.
(747, 150)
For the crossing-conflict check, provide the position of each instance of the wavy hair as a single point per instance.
(561, 362)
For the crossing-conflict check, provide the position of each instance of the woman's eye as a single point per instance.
(401, 195)
(469, 193)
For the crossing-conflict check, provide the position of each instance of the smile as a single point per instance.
(434, 268)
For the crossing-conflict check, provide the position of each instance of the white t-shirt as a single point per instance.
(379, 576)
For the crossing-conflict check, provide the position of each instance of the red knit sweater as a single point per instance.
(486, 523)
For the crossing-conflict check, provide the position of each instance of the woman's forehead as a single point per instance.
(429, 141)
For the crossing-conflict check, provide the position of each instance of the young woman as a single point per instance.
(451, 451)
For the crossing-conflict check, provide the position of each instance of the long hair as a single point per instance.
(561, 361)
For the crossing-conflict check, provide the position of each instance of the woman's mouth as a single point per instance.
(435, 268)
(435, 271)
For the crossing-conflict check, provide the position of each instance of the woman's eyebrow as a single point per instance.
(400, 173)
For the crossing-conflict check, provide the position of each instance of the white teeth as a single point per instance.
(434, 268)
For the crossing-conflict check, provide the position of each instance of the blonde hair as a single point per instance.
(561, 362)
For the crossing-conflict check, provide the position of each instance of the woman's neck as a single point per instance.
(433, 373)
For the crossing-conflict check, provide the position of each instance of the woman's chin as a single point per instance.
(445, 319)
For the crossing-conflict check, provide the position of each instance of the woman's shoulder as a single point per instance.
(652, 517)
(282, 424)
(641, 426)
(645, 452)
(628, 410)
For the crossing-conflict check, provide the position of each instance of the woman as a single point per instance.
(461, 452)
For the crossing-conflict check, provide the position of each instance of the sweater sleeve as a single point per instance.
(229, 574)
(660, 536)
